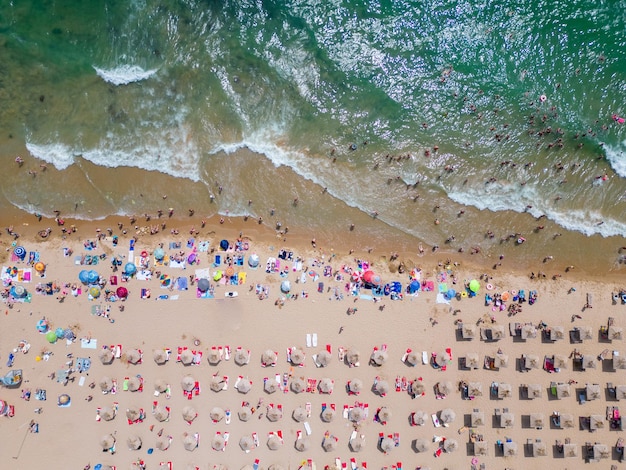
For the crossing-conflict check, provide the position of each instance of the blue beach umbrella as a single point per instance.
(224, 245)
(83, 276)
(92, 276)
(130, 269)
(19, 251)
(159, 254)
(60, 332)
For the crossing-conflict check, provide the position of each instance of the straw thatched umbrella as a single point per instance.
(567, 420)
(188, 383)
(214, 357)
(275, 466)
(378, 357)
(450, 445)
(106, 384)
(271, 386)
(357, 444)
(133, 413)
(501, 361)
(528, 331)
(190, 442)
(218, 442)
(586, 332)
(421, 445)
(159, 356)
(268, 358)
(507, 420)
(297, 356)
(384, 414)
(298, 385)
(134, 442)
(557, 333)
(475, 389)
(593, 391)
(417, 388)
(247, 467)
(274, 414)
(616, 333)
(382, 387)
(509, 448)
(540, 449)
(601, 451)
(300, 414)
(620, 392)
(189, 414)
(302, 444)
(241, 357)
(217, 383)
(356, 415)
(531, 361)
(246, 443)
(329, 443)
(216, 414)
(419, 418)
(326, 385)
(537, 420)
(534, 391)
(134, 384)
(107, 413)
(619, 361)
(477, 418)
(468, 331)
(355, 386)
(186, 357)
(328, 414)
(387, 444)
(163, 442)
(504, 390)
(353, 357)
(274, 442)
(160, 386)
(244, 413)
(161, 414)
(447, 415)
(133, 356)
(106, 356)
(107, 442)
(589, 362)
(244, 386)
(497, 332)
(563, 391)
(480, 448)
(323, 358)
(570, 450)
(472, 360)
(596, 422)
(560, 361)
(445, 388)
(442, 359)
(412, 359)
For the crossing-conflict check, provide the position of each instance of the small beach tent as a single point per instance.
(203, 285)
(130, 269)
(83, 276)
(159, 254)
(224, 245)
(253, 260)
(285, 287)
(370, 277)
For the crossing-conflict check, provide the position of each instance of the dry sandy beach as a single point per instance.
(71, 436)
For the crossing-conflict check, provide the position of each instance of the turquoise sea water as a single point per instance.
(351, 96)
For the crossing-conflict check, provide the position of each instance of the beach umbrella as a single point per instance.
(450, 445)
(106, 356)
(106, 384)
(83, 276)
(19, 251)
(384, 414)
(159, 254)
(160, 356)
(274, 442)
(19, 292)
(387, 444)
(355, 386)
(378, 357)
(504, 390)
(64, 400)
(326, 385)
(298, 385)
(589, 362)
(42, 325)
(130, 269)
(419, 418)
(447, 415)
(412, 359)
(328, 414)
(285, 287)
(474, 285)
(619, 362)
(241, 357)
(302, 445)
(507, 420)
(468, 331)
(186, 357)
(534, 391)
(107, 442)
(244, 386)
(134, 384)
(560, 361)
(253, 260)
(268, 358)
(442, 358)
(417, 388)
(596, 422)
(557, 333)
(593, 391)
(481, 448)
(246, 443)
(160, 385)
(247, 467)
(475, 389)
(134, 442)
(51, 336)
(188, 383)
(92, 276)
(353, 357)
(421, 445)
(133, 356)
(477, 418)
(357, 444)
(216, 414)
(563, 390)
(107, 413)
(329, 443)
(586, 332)
(616, 333)
(217, 383)
(501, 361)
(445, 388)
(570, 450)
(271, 386)
(356, 415)
(382, 387)
(189, 414)
(509, 448)
(297, 356)
(620, 392)
(300, 414)
(121, 292)
(224, 245)
(133, 414)
(537, 420)
(161, 414)
(190, 442)
(497, 332)
(531, 361)
(274, 414)
(323, 358)
(370, 277)
(94, 292)
(163, 442)
(218, 442)
(203, 285)
(245, 413)
(214, 357)
(528, 331)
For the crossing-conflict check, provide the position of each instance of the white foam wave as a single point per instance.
(124, 74)
(617, 158)
(57, 154)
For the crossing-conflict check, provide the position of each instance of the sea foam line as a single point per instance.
(124, 74)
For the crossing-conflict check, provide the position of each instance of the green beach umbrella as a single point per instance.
(474, 285)
(51, 336)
